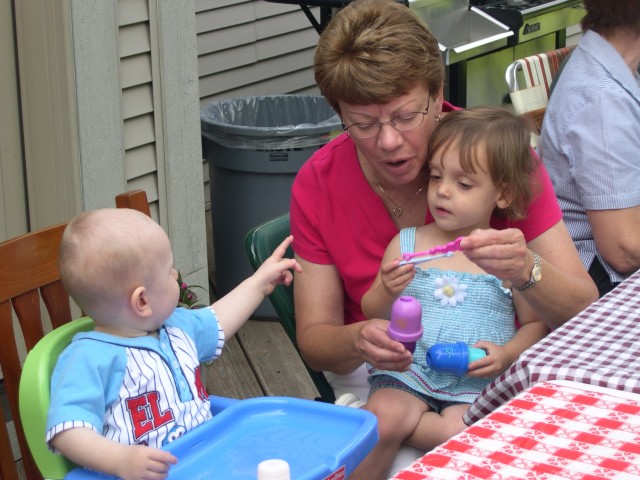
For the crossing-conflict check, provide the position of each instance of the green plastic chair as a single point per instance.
(34, 393)
(260, 243)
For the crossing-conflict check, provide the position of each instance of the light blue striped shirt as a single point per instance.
(590, 141)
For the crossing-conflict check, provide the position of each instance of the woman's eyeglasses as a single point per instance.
(402, 123)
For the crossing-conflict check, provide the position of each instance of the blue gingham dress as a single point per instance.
(486, 313)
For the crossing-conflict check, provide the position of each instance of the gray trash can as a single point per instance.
(254, 147)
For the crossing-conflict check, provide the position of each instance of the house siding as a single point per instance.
(136, 76)
(139, 116)
(247, 45)
(248, 48)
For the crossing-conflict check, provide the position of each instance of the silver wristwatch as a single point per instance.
(536, 274)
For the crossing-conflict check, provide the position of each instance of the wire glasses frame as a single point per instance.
(402, 123)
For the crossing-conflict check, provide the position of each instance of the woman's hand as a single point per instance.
(377, 348)
(502, 253)
(565, 289)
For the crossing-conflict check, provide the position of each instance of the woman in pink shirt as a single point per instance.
(380, 68)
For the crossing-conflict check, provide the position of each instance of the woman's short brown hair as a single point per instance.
(376, 50)
(504, 138)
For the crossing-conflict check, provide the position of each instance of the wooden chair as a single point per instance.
(260, 243)
(29, 273)
(135, 199)
(530, 81)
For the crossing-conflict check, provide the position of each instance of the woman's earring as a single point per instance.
(438, 117)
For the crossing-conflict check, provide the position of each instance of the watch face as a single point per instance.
(537, 273)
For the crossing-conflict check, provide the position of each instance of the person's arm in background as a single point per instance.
(591, 140)
(565, 288)
(606, 171)
(613, 148)
(617, 236)
(324, 340)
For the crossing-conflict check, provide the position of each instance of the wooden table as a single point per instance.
(260, 360)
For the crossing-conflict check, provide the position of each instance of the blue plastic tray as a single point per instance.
(319, 440)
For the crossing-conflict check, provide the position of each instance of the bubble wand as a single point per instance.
(438, 251)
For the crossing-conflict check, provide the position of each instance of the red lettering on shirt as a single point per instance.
(202, 393)
(145, 413)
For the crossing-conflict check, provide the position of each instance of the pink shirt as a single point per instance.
(337, 219)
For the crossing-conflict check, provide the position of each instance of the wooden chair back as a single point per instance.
(135, 199)
(29, 280)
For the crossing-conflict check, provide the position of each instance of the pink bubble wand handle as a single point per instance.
(437, 250)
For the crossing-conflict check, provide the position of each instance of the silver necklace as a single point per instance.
(398, 211)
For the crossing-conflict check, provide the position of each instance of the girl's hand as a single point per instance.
(496, 362)
(396, 278)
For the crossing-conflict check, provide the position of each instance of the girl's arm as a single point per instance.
(389, 284)
(500, 357)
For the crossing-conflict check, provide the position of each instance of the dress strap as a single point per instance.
(407, 240)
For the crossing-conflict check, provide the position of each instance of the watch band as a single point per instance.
(537, 265)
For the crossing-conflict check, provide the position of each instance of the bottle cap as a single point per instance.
(476, 354)
(274, 469)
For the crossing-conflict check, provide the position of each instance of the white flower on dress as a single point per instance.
(449, 292)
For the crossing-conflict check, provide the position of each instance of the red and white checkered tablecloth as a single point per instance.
(599, 346)
(551, 431)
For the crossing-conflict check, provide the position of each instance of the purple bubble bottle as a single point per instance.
(406, 321)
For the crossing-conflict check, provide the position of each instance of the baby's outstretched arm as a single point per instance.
(129, 462)
(235, 308)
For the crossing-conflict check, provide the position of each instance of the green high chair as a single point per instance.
(34, 393)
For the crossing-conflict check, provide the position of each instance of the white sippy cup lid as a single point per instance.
(274, 469)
